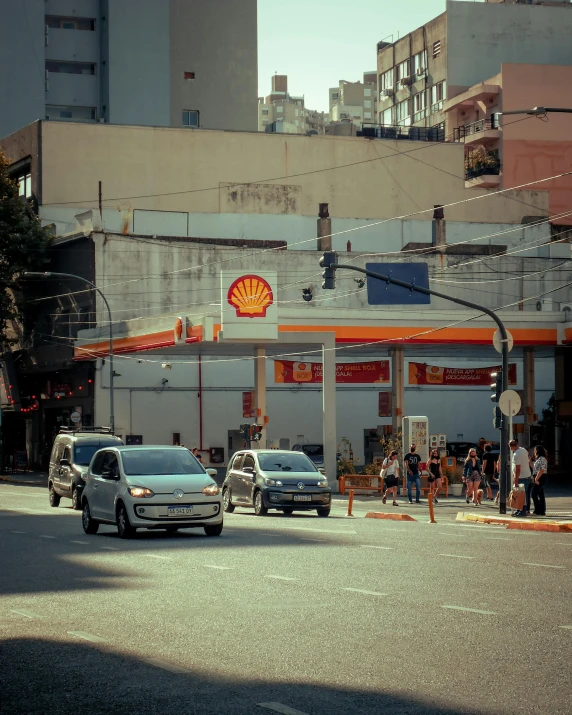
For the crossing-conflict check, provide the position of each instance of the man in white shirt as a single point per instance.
(520, 471)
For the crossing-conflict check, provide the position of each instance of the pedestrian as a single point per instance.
(520, 467)
(195, 452)
(472, 476)
(412, 460)
(489, 466)
(390, 474)
(481, 447)
(539, 470)
(435, 477)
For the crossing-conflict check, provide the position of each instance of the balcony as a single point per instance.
(484, 131)
(482, 170)
(387, 131)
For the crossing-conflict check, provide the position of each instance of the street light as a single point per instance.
(538, 111)
(37, 274)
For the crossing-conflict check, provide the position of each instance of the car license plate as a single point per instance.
(302, 497)
(180, 511)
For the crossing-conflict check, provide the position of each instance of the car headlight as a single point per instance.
(211, 490)
(140, 492)
(323, 483)
(273, 483)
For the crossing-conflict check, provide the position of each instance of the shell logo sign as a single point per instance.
(250, 296)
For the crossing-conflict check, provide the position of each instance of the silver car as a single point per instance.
(150, 488)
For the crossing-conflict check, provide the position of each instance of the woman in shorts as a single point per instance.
(472, 476)
(435, 477)
(390, 474)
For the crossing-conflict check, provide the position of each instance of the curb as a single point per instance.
(43, 482)
(521, 524)
(389, 516)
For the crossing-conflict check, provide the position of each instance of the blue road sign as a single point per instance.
(380, 292)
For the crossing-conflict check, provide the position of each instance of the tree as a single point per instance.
(23, 244)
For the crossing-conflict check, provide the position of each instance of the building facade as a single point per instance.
(282, 113)
(176, 63)
(354, 102)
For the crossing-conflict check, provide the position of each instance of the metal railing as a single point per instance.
(392, 131)
(474, 128)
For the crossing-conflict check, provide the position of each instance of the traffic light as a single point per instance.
(496, 386)
(245, 431)
(329, 274)
(255, 432)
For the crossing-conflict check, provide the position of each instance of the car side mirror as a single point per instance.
(64, 463)
(322, 471)
(109, 474)
(212, 472)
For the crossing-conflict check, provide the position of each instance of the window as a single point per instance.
(67, 454)
(403, 113)
(70, 67)
(420, 62)
(438, 95)
(367, 115)
(265, 111)
(367, 92)
(190, 118)
(24, 180)
(189, 75)
(297, 112)
(419, 106)
(367, 104)
(109, 466)
(248, 461)
(70, 23)
(335, 95)
(279, 110)
(75, 114)
(402, 70)
(387, 116)
(97, 462)
(237, 462)
(386, 80)
(437, 48)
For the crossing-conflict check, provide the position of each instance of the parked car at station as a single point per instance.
(275, 479)
(70, 458)
(141, 487)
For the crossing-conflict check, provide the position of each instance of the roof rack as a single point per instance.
(85, 430)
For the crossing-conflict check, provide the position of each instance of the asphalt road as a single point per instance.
(294, 615)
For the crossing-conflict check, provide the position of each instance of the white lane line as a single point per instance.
(546, 566)
(385, 548)
(87, 636)
(367, 593)
(279, 708)
(318, 531)
(171, 667)
(79, 542)
(46, 536)
(497, 538)
(318, 541)
(568, 628)
(470, 610)
(18, 532)
(220, 568)
(156, 556)
(108, 548)
(280, 578)
(28, 614)
(456, 556)
(450, 534)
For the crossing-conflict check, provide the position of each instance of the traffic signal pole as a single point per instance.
(329, 262)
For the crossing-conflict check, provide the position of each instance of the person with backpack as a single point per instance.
(390, 475)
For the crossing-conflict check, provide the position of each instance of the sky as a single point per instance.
(319, 42)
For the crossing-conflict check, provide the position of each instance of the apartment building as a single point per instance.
(174, 63)
(283, 113)
(419, 72)
(354, 101)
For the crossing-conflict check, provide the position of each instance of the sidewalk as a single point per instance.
(35, 479)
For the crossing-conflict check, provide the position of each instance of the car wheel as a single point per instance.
(288, 511)
(124, 528)
(76, 500)
(323, 511)
(89, 525)
(259, 508)
(213, 530)
(227, 505)
(54, 498)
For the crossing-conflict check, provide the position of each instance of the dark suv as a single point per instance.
(275, 479)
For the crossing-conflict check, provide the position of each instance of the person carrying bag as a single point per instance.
(390, 475)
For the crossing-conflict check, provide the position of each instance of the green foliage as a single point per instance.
(23, 242)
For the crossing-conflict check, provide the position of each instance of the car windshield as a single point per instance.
(313, 450)
(84, 452)
(289, 462)
(160, 461)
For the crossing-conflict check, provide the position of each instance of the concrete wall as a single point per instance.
(212, 172)
(217, 40)
(22, 69)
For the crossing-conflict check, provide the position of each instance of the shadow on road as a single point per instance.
(44, 677)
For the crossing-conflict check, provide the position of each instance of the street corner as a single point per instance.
(511, 523)
(389, 516)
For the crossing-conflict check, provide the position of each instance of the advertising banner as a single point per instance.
(248, 404)
(423, 374)
(287, 371)
(385, 404)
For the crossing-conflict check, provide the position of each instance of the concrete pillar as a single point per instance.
(559, 394)
(329, 421)
(397, 388)
(324, 229)
(260, 394)
(529, 392)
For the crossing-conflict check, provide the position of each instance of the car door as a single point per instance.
(247, 479)
(57, 454)
(65, 472)
(234, 475)
(104, 486)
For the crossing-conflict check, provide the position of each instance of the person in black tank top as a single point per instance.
(435, 477)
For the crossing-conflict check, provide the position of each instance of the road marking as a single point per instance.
(18, 532)
(456, 556)
(171, 667)
(87, 636)
(319, 541)
(367, 593)
(546, 566)
(279, 708)
(107, 548)
(220, 568)
(79, 542)
(280, 578)
(268, 534)
(318, 531)
(568, 628)
(497, 538)
(28, 614)
(46, 536)
(470, 610)
(156, 556)
(385, 548)
(449, 533)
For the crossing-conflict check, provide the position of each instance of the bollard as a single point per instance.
(350, 503)
(431, 510)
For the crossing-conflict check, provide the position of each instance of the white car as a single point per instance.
(150, 488)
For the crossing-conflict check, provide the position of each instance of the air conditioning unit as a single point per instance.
(421, 72)
(566, 308)
(389, 92)
(545, 305)
(404, 81)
